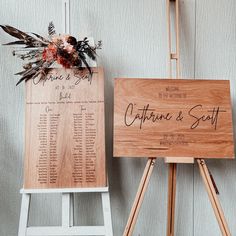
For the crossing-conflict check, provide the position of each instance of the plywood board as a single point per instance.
(172, 118)
(65, 142)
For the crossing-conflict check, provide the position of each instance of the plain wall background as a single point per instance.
(134, 45)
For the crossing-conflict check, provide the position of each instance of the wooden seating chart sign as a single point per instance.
(173, 118)
(65, 139)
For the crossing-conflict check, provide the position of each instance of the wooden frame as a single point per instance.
(207, 179)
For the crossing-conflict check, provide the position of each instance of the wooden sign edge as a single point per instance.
(99, 70)
(176, 157)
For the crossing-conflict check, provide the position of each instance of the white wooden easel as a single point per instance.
(67, 227)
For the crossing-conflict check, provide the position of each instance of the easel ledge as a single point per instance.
(187, 160)
(66, 190)
(67, 227)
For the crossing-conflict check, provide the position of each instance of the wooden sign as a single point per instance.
(173, 118)
(65, 144)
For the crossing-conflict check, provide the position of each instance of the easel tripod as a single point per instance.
(207, 179)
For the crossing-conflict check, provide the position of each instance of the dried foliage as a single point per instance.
(41, 53)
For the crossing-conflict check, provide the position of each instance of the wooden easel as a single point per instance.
(207, 179)
(67, 227)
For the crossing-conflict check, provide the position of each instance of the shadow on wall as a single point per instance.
(118, 168)
(10, 180)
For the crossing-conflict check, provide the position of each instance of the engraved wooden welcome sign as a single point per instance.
(65, 146)
(173, 118)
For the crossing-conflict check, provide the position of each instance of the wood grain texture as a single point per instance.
(65, 143)
(215, 58)
(164, 118)
(134, 45)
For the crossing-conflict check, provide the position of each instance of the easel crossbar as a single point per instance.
(75, 230)
(66, 190)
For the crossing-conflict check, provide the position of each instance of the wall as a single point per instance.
(135, 45)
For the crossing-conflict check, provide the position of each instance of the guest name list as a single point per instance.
(65, 144)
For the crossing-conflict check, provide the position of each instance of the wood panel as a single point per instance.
(173, 118)
(215, 58)
(65, 143)
(140, 50)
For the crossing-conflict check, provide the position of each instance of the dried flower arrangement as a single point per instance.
(41, 53)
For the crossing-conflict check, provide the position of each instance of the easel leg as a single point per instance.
(71, 209)
(213, 198)
(139, 197)
(66, 210)
(106, 205)
(24, 214)
(171, 199)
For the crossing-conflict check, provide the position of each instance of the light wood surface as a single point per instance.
(65, 143)
(129, 228)
(213, 198)
(214, 59)
(173, 40)
(140, 30)
(179, 118)
(172, 170)
(189, 160)
(171, 199)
